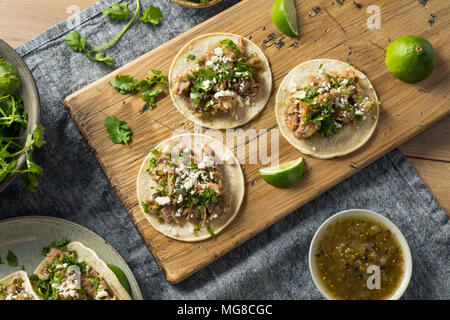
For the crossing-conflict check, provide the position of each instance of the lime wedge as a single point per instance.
(284, 175)
(284, 15)
(121, 277)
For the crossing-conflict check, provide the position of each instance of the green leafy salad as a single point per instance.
(13, 122)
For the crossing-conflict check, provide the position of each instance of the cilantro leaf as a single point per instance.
(75, 41)
(38, 136)
(145, 206)
(11, 258)
(59, 243)
(231, 45)
(127, 84)
(150, 96)
(118, 131)
(6, 168)
(152, 14)
(45, 251)
(102, 57)
(117, 11)
(328, 127)
(94, 284)
(123, 83)
(157, 77)
(33, 167)
(9, 79)
(30, 181)
(203, 84)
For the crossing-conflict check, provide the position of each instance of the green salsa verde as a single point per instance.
(346, 250)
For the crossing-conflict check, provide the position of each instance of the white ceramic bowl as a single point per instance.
(406, 253)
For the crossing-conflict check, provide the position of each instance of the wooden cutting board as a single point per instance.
(330, 29)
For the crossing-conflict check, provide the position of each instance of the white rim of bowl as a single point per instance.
(379, 218)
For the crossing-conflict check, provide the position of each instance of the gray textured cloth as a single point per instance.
(274, 264)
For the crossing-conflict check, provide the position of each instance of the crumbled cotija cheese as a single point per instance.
(162, 201)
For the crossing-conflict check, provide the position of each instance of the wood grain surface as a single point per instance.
(335, 32)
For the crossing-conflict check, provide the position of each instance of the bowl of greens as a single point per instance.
(20, 131)
(197, 3)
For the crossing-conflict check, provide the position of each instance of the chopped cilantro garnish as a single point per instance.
(328, 127)
(229, 44)
(160, 190)
(311, 94)
(94, 284)
(145, 206)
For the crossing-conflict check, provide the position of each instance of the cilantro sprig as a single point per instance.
(119, 12)
(145, 88)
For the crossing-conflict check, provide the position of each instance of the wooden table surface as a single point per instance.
(429, 152)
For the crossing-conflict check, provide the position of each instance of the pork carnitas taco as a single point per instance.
(190, 187)
(220, 80)
(17, 286)
(75, 272)
(326, 108)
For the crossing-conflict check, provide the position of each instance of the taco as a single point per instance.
(220, 80)
(75, 272)
(17, 286)
(190, 187)
(326, 108)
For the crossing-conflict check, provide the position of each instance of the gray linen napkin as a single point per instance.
(274, 264)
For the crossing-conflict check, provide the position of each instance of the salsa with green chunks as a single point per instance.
(346, 250)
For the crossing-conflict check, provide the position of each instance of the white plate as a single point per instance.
(26, 236)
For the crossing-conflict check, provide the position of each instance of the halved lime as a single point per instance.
(284, 175)
(284, 15)
(121, 277)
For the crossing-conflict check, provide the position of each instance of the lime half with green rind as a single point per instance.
(284, 15)
(284, 175)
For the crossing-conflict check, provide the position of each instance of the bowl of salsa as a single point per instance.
(359, 254)
(197, 3)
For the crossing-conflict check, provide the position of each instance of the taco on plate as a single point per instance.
(190, 187)
(75, 272)
(17, 286)
(326, 108)
(220, 80)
